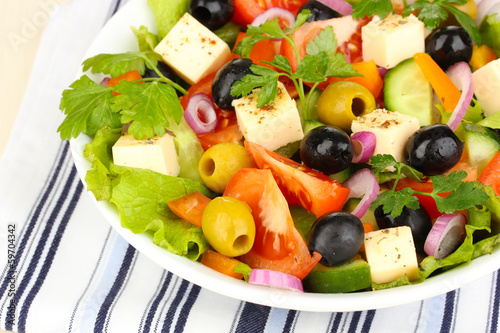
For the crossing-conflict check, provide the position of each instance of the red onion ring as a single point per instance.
(265, 277)
(461, 76)
(363, 184)
(382, 71)
(364, 145)
(201, 103)
(447, 233)
(274, 12)
(105, 81)
(486, 7)
(340, 6)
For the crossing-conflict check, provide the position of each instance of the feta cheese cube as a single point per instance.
(271, 126)
(392, 40)
(391, 254)
(391, 129)
(157, 154)
(486, 82)
(192, 50)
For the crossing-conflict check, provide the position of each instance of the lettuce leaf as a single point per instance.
(167, 13)
(492, 121)
(490, 32)
(99, 177)
(181, 238)
(141, 197)
(147, 40)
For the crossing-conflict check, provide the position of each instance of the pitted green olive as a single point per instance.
(342, 102)
(228, 226)
(220, 162)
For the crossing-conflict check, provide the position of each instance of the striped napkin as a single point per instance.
(64, 269)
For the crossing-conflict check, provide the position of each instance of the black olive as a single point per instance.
(231, 72)
(449, 45)
(168, 73)
(418, 220)
(337, 236)
(163, 68)
(212, 13)
(319, 11)
(433, 149)
(327, 149)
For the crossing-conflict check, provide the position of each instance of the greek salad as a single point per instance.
(325, 146)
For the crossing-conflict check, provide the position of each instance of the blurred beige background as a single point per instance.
(21, 26)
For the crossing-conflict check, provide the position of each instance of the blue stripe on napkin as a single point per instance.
(51, 254)
(87, 288)
(290, 321)
(496, 305)
(186, 309)
(29, 227)
(370, 315)
(253, 318)
(115, 288)
(449, 312)
(166, 279)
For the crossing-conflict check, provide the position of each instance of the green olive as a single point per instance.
(228, 226)
(220, 162)
(342, 102)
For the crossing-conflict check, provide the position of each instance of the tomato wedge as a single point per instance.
(301, 185)
(278, 245)
(344, 27)
(273, 220)
(491, 174)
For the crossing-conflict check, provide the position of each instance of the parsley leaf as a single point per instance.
(394, 201)
(263, 77)
(466, 22)
(320, 62)
(448, 183)
(151, 106)
(254, 34)
(118, 64)
(87, 106)
(431, 13)
(462, 195)
(371, 7)
(325, 44)
(382, 162)
(465, 196)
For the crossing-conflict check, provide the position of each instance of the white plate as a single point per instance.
(116, 37)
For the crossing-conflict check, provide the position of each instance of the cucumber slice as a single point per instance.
(354, 275)
(407, 91)
(481, 144)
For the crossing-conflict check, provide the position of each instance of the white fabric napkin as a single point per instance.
(64, 269)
